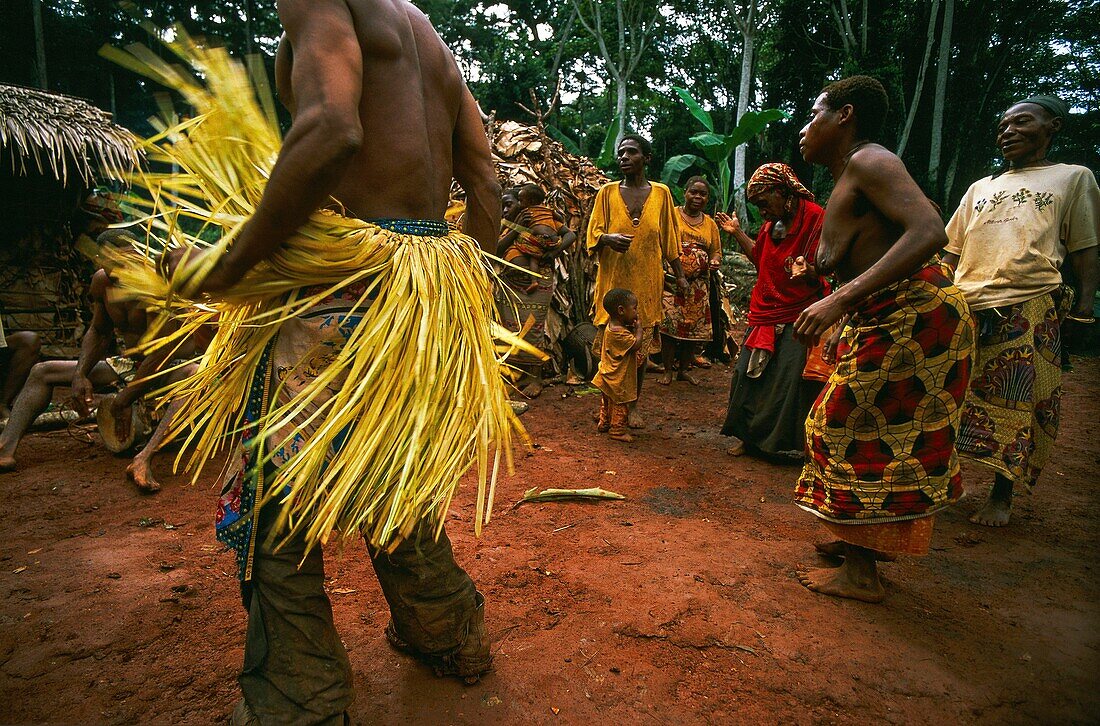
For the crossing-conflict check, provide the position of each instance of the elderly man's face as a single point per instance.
(1024, 132)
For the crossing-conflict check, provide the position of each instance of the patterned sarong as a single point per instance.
(881, 437)
(1010, 417)
(687, 316)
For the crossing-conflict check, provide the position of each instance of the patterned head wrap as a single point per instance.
(776, 175)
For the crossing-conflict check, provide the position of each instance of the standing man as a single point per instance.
(1009, 239)
(880, 459)
(633, 230)
(382, 121)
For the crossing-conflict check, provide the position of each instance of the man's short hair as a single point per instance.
(866, 95)
(615, 298)
(643, 143)
(117, 237)
(532, 194)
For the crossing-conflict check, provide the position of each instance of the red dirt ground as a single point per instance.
(678, 605)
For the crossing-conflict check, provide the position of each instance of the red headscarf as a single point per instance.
(776, 176)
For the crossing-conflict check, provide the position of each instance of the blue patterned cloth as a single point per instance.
(418, 227)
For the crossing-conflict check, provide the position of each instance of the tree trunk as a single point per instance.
(935, 154)
(39, 44)
(903, 141)
(748, 43)
(620, 109)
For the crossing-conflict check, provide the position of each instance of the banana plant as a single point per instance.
(716, 149)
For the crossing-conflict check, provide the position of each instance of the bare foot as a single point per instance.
(533, 389)
(841, 582)
(634, 420)
(737, 448)
(7, 463)
(685, 376)
(995, 513)
(838, 548)
(666, 379)
(140, 474)
(702, 362)
(622, 437)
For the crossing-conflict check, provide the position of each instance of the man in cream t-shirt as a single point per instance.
(1008, 240)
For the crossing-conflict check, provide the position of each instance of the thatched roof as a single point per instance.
(62, 135)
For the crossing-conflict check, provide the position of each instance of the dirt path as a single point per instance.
(679, 605)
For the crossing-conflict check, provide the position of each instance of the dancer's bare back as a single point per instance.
(410, 99)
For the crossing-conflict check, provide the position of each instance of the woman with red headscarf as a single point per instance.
(769, 397)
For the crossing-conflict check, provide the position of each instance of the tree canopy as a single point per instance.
(995, 52)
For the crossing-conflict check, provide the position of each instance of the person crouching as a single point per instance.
(617, 376)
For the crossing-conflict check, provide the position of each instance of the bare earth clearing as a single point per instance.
(679, 605)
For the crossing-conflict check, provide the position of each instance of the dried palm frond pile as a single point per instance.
(49, 131)
(526, 154)
(423, 398)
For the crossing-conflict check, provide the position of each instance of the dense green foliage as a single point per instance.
(999, 50)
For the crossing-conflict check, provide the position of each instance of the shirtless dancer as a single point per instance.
(112, 320)
(382, 121)
(880, 440)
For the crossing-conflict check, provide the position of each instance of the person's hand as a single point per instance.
(618, 242)
(82, 391)
(1075, 331)
(816, 320)
(727, 222)
(828, 352)
(715, 263)
(682, 285)
(121, 414)
(800, 268)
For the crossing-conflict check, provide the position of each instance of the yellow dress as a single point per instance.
(641, 268)
(618, 373)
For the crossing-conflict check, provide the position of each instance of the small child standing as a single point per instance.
(537, 235)
(617, 376)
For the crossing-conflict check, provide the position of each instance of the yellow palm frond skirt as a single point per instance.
(357, 370)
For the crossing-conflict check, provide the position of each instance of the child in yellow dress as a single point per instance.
(617, 376)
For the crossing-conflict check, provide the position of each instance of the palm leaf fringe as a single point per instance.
(424, 398)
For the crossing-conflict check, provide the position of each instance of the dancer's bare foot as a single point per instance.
(839, 548)
(634, 420)
(666, 379)
(141, 475)
(737, 448)
(995, 513)
(685, 376)
(856, 579)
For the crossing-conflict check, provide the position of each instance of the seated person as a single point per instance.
(536, 233)
(94, 371)
(18, 353)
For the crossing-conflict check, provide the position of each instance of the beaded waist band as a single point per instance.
(418, 227)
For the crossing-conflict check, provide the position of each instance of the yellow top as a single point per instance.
(618, 373)
(1013, 233)
(641, 268)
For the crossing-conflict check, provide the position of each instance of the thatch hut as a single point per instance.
(53, 150)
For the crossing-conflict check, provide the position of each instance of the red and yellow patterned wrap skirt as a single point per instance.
(880, 439)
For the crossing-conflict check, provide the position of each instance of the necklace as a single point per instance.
(693, 221)
(848, 157)
(635, 212)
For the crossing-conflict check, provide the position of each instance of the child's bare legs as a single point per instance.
(603, 418)
(619, 414)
